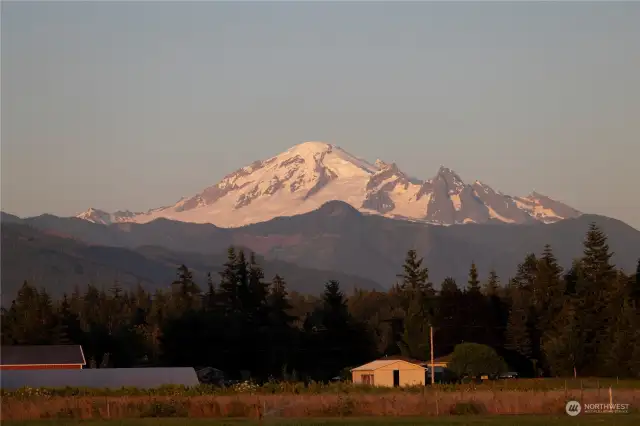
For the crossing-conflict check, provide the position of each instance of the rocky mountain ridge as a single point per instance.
(310, 174)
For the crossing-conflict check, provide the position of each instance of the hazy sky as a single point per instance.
(133, 105)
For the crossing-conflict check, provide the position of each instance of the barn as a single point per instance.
(389, 373)
(42, 357)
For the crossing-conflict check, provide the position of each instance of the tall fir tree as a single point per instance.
(473, 285)
(259, 290)
(185, 292)
(492, 286)
(517, 334)
(449, 324)
(595, 292)
(335, 312)
(229, 283)
(279, 304)
(417, 297)
(241, 268)
(210, 297)
(415, 277)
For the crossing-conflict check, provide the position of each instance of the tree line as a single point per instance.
(544, 321)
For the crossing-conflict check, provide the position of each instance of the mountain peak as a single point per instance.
(445, 171)
(310, 146)
(338, 208)
(312, 173)
(380, 164)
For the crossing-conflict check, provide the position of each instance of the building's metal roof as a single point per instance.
(143, 378)
(374, 365)
(42, 355)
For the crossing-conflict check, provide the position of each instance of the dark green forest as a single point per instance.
(544, 321)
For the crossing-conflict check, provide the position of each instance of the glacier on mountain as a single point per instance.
(310, 174)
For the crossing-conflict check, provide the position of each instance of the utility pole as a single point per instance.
(433, 372)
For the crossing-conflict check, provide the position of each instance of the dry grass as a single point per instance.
(428, 403)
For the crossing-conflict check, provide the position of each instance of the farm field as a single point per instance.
(524, 420)
(313, 406)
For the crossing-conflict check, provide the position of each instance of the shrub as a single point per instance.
(474, 359)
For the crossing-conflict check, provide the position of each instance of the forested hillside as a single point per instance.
(543, 321)
(59, 263)
(337, 237)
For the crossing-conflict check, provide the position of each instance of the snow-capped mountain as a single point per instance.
(310, 174)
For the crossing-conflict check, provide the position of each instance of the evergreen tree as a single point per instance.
(475, 311)
(229, 282)
(335, 312)
(548, 291)
(9, 323)
(343, 340)
(634, 290)
(210, 297)
(185, 292)
(279, 305)
(517, 334)
(242, 275)
(526, 273)
(258, 290)
(69, 330)
(417, 296)
(449, 287)
(415, 276)
(280, 322)
(497, 314)
(473, 285)
(563, 344)
(571, 278)
(449, 324)
(141, 306)
(619, 358)
(596, 262)
(596, 290)
(492, 286)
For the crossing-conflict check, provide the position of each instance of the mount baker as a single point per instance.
(310, 174)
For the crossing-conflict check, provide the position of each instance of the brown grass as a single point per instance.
(429, 403)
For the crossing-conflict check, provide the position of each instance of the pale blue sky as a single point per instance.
(133, 105)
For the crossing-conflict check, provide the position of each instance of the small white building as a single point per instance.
(390, 373)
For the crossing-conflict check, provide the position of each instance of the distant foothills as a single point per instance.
(310, 174)
(335, 241)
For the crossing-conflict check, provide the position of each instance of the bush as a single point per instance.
(468, 407)
(474, 360)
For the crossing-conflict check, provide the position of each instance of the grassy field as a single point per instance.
(279, 406)
(524, 420)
